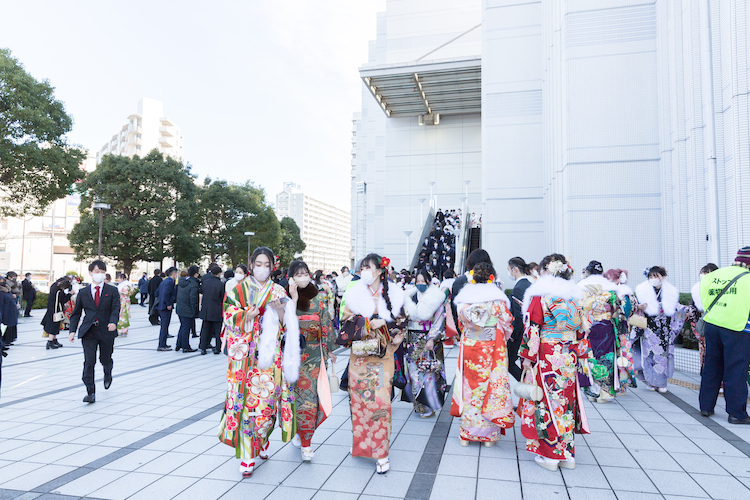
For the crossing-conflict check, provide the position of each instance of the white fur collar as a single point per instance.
(597, 279)
(269, 335)
(475, 293)
(670, 298)
(429, 302)
(623, 290)
(695, 292)
(359, 301)
(551, 285)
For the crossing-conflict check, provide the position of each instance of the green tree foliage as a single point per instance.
(153, 211)
(226, 211)
(37, 165)
(291, 241)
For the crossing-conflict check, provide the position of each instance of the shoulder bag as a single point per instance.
(529, 391)
(700, 326)
(58, 315)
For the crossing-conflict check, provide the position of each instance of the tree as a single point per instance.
(152, 211)
(291, 241)
(227, 211)
(37, 165)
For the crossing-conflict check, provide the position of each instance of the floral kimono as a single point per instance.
(625, 365)
(259, 375)
(316, 326)
(426, 380)
(371, 377)
(600, 305)
(554, 339)
(481, 392)
(126, 290)
(665, 317)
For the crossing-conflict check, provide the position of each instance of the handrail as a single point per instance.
(464, 242)
(426, 229)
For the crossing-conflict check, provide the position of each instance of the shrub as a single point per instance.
(41, 300)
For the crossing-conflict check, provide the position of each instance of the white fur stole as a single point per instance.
(597, 279)
(429, 302)
(695, 292)
(554, 286)
(359, 300)
(475, 293)
(670, 298)
(269, 336)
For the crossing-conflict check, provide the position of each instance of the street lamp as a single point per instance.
(432, 200)
(421, 216)
(407, 233)
(249, 234)
(101, 207)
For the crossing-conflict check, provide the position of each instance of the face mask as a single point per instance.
(654, 282)
(240, 276)
(302, 281)
(367, 277)
(98, 277)
(261, 273)
(422, 287)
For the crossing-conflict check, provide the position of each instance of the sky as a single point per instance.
(262, 90)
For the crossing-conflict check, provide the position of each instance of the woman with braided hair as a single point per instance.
(373, 325)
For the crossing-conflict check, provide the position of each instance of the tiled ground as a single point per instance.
(152, 436)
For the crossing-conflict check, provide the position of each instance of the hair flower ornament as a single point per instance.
(471, 278)
(385, 262)
(557, 268)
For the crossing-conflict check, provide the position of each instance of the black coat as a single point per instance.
(212, 306)
(458, 284)
(188, 290)
(107, 312)
(8, 310)
(166, 294)
(29, 292)
(516, 302)
(153, 285)
(50, 326)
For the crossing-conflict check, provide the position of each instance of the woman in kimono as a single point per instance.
(554, 338)
(481, 392)
(126, 289)
(372, 309)
(316, 326)
(628, 308)
(665, 317)
(601, 306)
(423, 352)
(258, 316)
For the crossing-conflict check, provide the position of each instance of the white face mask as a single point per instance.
(98, 277)
(302, 281)
(239, 275)
(367, 277)
(654, 281)
(261, 273)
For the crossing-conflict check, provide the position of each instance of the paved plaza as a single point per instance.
(152, 435)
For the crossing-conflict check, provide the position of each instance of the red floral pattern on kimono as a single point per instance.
(554, 339)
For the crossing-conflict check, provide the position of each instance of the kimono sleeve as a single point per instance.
(438, 321)
(327, 332)
(533, 321)
(504, 318)
(234, 313)
(353, 327)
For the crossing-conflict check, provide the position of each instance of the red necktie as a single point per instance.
(96, 296)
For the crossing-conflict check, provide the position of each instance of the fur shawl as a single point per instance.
(551, 285)
(623, 291)
(475, 293)
(359, 301)
(670, 298)
(695, 292)
(429, 302)
(268, 338)
(598, 279)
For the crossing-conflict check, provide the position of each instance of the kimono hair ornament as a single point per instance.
(385, 262)
(558, 268)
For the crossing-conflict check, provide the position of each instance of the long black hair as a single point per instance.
(520, 264)
(376, 261)
(265, 251)
(477, 256)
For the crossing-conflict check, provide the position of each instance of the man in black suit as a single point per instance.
(519, 271)
(166, 293)
(29, 294)
(153, 285)
(212, 310)
(101, 303)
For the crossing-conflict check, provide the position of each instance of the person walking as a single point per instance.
(59, 295)
(212, 310)
(153, 286)
(518, 271)
(29, 294)
(166, 295)
(725, 294)
(188, 290)
(100, 305)
(143, 288)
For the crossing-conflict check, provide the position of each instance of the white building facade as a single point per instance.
(324, 228)
(147, 130)
(612, 130)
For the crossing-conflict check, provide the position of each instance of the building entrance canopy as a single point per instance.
(446, 87)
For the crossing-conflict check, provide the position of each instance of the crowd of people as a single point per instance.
(561, 340)
(438, 252)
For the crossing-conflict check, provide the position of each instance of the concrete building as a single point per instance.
(144, 131)
(323, 227)
(614, 130)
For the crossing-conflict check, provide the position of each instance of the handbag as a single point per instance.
(368, 347)
(638, 321)
(333, 379)
(57, 316)
(530, 392)
(700, 326)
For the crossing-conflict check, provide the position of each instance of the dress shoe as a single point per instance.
(27, 316)
(734, 420)
(217, 351)
(203, 351)
(51, 345)
(58, 344)
(107, 381)
(162, 349)
(176, 349)
(170, 336)
(705, 413)
(90, 398)
(194, 336)
(189, 349)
